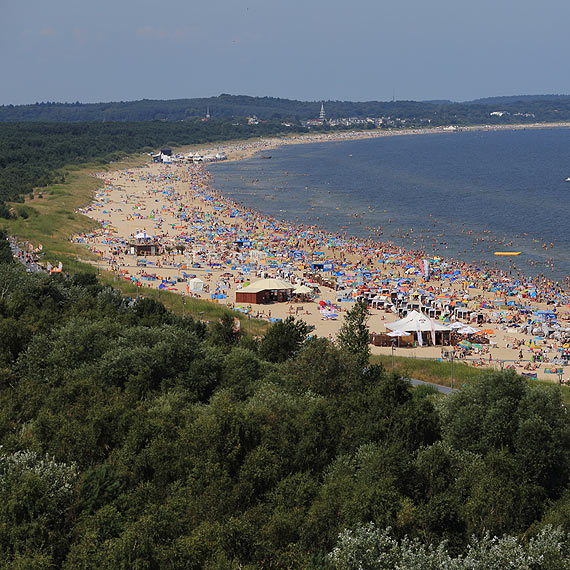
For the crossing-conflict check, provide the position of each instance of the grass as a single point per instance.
(440, 372)
(48, 215)
(197, 308)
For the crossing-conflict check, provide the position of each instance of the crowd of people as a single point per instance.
(202, 233)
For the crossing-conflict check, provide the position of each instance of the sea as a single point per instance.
(461, 195)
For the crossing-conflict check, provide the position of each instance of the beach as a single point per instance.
(200, 234)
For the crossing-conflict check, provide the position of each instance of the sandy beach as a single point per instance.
(203, 235)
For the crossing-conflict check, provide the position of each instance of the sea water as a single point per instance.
(463, 195)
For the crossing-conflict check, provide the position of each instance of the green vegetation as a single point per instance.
(375, 549)
(35, 155)
(354, 333)
(134, 438)
(5, 252)
(544, 108)
(440, 372)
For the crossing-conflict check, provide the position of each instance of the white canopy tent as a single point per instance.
(398, 333)
(302, 290)
(195, 284)
(415, 321)
(468, 330)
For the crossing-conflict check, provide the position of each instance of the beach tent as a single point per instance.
(397, 333)
(415, 322)
(195, 284)
(302, 290)
(468, 330)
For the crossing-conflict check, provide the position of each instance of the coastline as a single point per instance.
(242, 150)
(179, 204)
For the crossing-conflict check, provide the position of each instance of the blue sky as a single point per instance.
(80, 50)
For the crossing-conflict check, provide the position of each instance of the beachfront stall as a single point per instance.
(265, 291)
(144, 244)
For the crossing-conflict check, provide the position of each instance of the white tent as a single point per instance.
(142, 235)
(302, 290)
(468, 330)
(415, 321)
(195, 284)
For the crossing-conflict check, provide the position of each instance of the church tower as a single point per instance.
(322, 114)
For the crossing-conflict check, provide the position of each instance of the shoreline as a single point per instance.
(536, 261)
(247, 148)
(186, 209)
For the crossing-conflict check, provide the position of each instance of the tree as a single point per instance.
(224, 332)
(371, 548)
(353, 336)
(5, 253)
(284, 339)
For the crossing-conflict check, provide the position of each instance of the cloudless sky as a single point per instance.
(359, 50)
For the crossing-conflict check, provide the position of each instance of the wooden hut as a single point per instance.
(265, 291)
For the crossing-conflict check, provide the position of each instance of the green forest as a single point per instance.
(132, 438)
(33, 155)
(225, 106)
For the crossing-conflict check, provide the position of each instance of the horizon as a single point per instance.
(108, 52)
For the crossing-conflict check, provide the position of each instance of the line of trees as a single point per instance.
(133, 438)
(545, 108)
(33, 155)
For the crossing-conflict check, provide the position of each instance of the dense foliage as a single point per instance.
(371, 548)
(544, 108)
(132, 438)
(33, 155)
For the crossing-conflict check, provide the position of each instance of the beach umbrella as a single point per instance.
(456, 325)
(468, 330)
(398, 333)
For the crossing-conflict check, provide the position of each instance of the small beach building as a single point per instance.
(144, 244)
(265, 291)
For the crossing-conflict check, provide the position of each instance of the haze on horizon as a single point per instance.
(68, 51)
